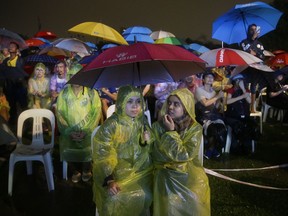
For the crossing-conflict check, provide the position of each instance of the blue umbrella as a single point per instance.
(198, 48)
(107, 46)
(45, 59)
(232, 26)
(133, 38)
(137, 30)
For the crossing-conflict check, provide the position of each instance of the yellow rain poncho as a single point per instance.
(181, 186)
(75, 114)
(119, 153)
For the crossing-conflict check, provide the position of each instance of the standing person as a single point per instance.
(181, 186)
(122, 166)
(208, 115)
(38, 88)
(58, 80)
(15, 88)
(253, 46)
(78, 112)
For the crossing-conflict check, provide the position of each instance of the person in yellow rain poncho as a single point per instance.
(181, 186)
(78, 113)
(38, 88)
(122, 166)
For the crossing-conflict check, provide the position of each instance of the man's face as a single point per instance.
(12, 48)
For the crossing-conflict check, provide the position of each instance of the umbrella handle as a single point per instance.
(145, 142)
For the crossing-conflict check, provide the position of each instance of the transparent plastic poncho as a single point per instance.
(79, 113)
(181, 186)
(120, 153)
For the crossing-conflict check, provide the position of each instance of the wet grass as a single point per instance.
(31, 196)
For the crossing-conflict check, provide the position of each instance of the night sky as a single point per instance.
(184, 18)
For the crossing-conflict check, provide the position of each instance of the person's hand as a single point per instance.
(113, 188)
(220, 94)
(285, 87)
(146, 135)
(245, 95)
(168, 123)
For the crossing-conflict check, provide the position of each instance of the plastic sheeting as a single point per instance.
(181, 186)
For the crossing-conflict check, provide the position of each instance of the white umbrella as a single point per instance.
(161, 34)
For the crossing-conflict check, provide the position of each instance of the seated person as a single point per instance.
(108, 97)
(277, 93)
(237, 116)
(207, 114)
(191, 83)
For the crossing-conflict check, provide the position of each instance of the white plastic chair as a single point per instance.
(37, 150)
(201, 151)
(65, 163)
(110, 110)
(258, 114)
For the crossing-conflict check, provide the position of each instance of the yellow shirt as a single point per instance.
(12, 62)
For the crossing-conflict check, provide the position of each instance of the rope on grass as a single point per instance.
(253, 169)
(213, 173)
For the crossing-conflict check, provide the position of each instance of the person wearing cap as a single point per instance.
(78, 112)
(237, 116)
(38, 88)
(277, 92)
(207, 107)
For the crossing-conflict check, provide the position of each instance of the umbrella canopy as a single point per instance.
(197, 47)
(99, 30)
(232, 26)
(168, 40)
(72, 45)
(139, 64)
(109, 45)
(44, 58)
(54, 51)
(161, 34)
(37, 42)
(137, 30)
(279, 60)
(134, 38)
(7, 36)
(226, 56)
(46, 34)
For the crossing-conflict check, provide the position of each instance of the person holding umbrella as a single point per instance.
(181, 186)
(122, 165)
(253, 46)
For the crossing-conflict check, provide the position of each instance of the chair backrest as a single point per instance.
(38, 116)
(110, 110)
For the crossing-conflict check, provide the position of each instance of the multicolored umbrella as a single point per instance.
(168, 40)
(161, 34)
(226, 56)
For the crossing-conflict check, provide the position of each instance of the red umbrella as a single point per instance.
(226, 56)
(34, 42)
(46, 34)
(139, 64)
(279, 60)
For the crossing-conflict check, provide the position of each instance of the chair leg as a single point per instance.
(49, 171)
(10, 174)
(253, 146)
(65, 167)
(228, 140)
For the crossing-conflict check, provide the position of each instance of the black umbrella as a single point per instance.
(45, 59)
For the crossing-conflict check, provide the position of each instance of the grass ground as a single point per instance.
(31, 196)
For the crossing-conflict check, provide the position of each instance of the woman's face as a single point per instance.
(133, 106)
(209, 79)
(39, 72)
(175, 107)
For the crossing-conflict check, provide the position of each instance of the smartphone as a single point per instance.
(258, 29)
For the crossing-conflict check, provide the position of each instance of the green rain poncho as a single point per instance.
(74, 114)
(119, 153)
(181, 186)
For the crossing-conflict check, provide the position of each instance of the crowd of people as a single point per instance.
(135, 165)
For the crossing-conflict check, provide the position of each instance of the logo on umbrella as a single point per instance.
(120, 57)
(221, 57)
